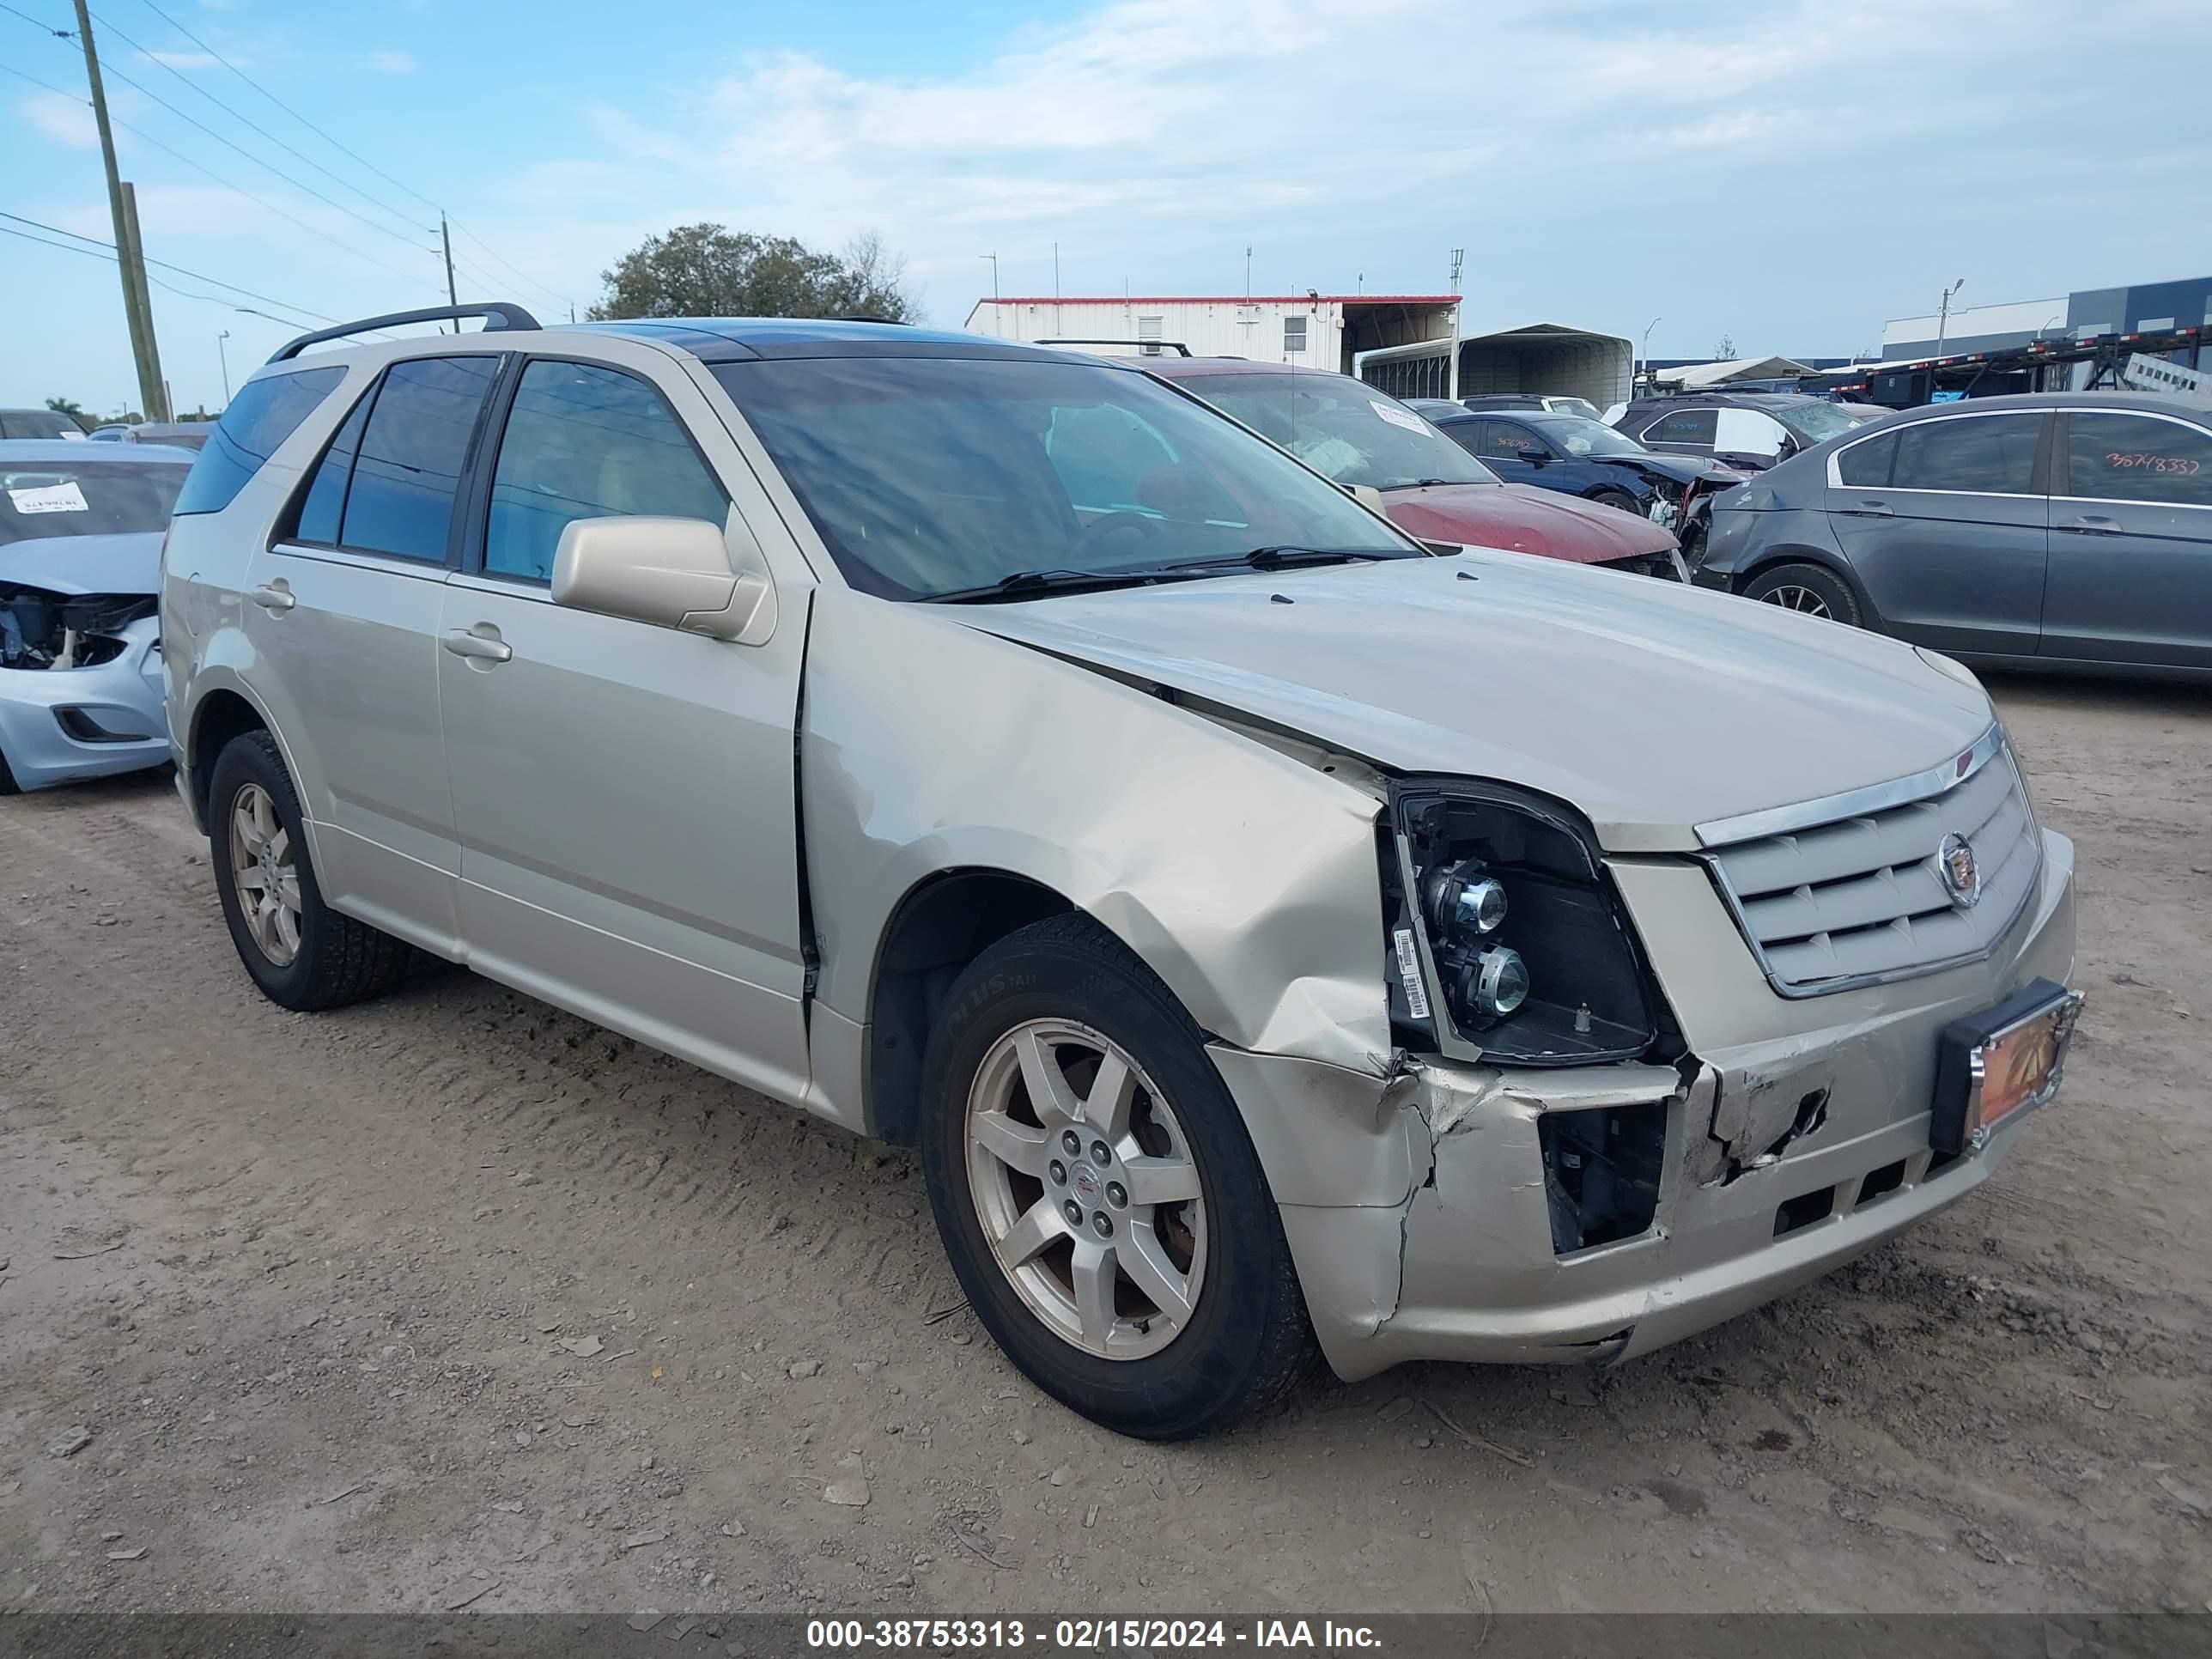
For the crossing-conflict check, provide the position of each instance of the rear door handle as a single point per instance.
(2093, 524)
(1871, 510)
(274, 596)
(479, 647)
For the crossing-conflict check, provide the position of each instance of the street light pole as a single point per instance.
(1648, 327)
(1943, 315)
(223, 357)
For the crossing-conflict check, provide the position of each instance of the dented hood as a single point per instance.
(1522, 519)
(129, 564)
(1650, 707)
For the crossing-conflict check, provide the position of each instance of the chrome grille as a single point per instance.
(1861, 898)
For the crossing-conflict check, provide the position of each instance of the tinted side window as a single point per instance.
(1983, 452)
(1684, 426)
(325, 496)
(261, 417)
(402, 498)
(2125, 458)
(1866, 466)
(1502, 440)
(588, 443)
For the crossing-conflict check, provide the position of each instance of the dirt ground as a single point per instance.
(456, 1299)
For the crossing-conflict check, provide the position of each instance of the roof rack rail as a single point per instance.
(869, 316)
(497, 314)
(1176, 346)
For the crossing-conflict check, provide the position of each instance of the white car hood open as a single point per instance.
(1649, 707)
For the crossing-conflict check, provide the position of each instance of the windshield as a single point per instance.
(109, 498)
(1582, 406)
(1816, 422)
(932, 476)
(1343, 429)
(1580, 437)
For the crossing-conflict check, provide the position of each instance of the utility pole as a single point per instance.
(446, 238)
(1943, 315)
(137, 309)
(223, 357)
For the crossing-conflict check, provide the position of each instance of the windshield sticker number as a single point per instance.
(2122, 460)
(54, 498)
(1399, 417)
(1409, 971)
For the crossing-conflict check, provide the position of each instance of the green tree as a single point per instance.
(74, 410)
(711, 271)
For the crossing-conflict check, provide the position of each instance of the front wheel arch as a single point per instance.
(1869, 617)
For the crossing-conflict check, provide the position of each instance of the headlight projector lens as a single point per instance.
(1501, 982)
(1465, 903)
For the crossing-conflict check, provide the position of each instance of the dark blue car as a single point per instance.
(1577, 456)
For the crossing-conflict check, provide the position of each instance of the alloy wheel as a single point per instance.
(1084, 1184)
(1790, 596)
(264, 871)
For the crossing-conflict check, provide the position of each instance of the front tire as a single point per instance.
(1809, 589)
(1620, 500)
(1098, 1195)
(303, 955)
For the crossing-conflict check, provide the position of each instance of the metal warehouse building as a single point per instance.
(1408, 344)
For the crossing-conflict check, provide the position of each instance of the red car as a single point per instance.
(1431, 488)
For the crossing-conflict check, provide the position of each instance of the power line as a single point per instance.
(281, 105)
(565, 299)
(492, 253)
(166, 288)
(107, 249)
(46, 28)
(353, 154)
(259, 202)
(247, 121)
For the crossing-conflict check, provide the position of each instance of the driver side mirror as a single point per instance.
(668, 572)
(1535, 456)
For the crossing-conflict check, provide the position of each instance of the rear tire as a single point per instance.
(303, 955)
(8, 786)
(1164, 1316)
(1809, 589)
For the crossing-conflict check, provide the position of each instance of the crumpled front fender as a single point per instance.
(1245, 879)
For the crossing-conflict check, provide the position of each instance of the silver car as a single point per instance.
(1274, 938)
(81, 680)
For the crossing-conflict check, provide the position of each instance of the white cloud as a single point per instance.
(391, 62)
(65, 120)
(1592, 158)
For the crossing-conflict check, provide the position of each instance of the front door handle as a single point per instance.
(1871, 510)
(486, 646)
(2093, 524)
(275, 596)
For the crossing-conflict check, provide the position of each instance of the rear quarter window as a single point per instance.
(261, 417)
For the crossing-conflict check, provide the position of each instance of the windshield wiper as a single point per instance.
(1028, 584)
(1286, 558)
(1417, 483)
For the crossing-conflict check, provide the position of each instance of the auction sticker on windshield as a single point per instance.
(1399, 417)
(53, 498)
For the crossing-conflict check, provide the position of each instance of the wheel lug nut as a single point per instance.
(1102, 1225)
(1117, 1194)
(1073, 1212)
(1059, 1173)
(1073, 1142)
(1101, 1153)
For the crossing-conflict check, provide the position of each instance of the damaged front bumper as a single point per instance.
(1425, 1210)
(63, 725)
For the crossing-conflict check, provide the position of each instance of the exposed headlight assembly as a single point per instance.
(1506, 938)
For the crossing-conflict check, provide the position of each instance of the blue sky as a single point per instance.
(1789, 174)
